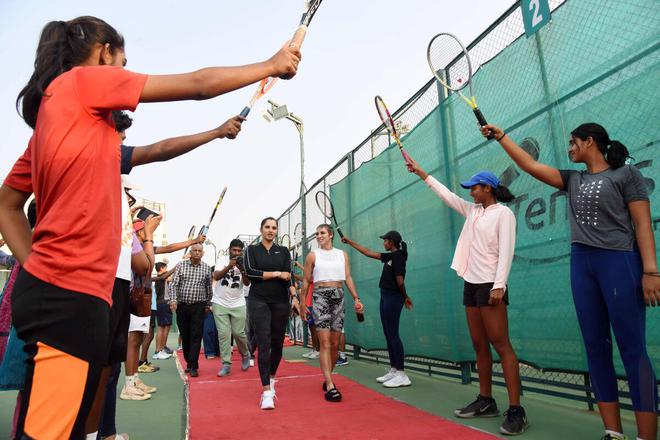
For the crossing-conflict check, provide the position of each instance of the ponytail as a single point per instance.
(403, 247)
(616, 154)
(502, 194)
(62, 46)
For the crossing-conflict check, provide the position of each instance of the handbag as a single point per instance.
(140, 299)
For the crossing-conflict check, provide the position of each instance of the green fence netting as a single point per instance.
(596, 61)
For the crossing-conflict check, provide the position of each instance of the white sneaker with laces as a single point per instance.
(314, 355)
(389, 375)
(400, 379)
(268, 400)
(131, 392)
(161, 355)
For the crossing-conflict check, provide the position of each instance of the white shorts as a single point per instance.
(139, 324)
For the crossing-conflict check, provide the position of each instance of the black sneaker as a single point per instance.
(515, 422)
(482, 407)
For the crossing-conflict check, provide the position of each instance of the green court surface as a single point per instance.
(163, 417)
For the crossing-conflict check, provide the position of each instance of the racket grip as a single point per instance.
(245, 112)
(203, 231)
(407, 159)
(298, 37)
(341, 234)
(482, 120)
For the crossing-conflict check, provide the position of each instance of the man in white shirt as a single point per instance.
(229, 308)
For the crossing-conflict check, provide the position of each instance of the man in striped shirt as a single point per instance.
(190, 298)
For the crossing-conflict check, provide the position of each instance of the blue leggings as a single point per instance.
(391, 303)
(607, 291)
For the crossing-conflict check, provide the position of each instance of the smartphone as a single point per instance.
(143, 213)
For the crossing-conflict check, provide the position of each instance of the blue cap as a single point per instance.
(482, 178)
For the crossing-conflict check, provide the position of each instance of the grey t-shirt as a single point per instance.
(598, 206)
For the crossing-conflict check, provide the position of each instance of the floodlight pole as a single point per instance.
(298, 122)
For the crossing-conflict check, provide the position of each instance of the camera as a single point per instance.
(239, 262)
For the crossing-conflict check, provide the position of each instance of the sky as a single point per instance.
(354, 50)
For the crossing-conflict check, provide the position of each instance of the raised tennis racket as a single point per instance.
(388, 122)
(264, 86)
(205, 229)
(308, 14)
(298, 37)
(325, 205)
(191, 235)
(285, 241)
(446, 51)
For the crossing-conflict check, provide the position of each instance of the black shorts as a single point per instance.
(477, 295)
(164, 315)
(119, 320)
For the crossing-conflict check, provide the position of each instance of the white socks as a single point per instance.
(130, 380)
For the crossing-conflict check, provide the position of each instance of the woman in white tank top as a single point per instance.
(329, 268)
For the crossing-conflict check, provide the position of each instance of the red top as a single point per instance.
(72, 166)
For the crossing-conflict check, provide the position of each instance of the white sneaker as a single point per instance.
(161, 355)
(389, 375)
(251, 362)
(268, 400)
(400, 379)
(313, 354)
(144, 387)
(133, 393)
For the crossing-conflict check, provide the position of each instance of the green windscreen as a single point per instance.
(595, 62)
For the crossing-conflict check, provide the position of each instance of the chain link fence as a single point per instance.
(546, 101)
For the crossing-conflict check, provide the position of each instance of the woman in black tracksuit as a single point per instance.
(269, 268)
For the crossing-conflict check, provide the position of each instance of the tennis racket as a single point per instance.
(388, 122)
(205, 229)
(285, 241)
(442, 51)
(325, 205)
(264, 86)
(298, 37)
(191, 235)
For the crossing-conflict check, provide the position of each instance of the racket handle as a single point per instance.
(341, 234)
(407, 159)
(245, 112)
(482, 120)
(298, 37)
(203, 231)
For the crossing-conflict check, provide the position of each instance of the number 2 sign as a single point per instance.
(536, 13)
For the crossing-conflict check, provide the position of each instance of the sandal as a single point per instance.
(333, 395)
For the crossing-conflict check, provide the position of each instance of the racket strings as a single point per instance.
(324, 204)
(445, 53)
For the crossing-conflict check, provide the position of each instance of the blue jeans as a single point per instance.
(391, 303)
(210, 335)
(607, 291)
(107, 424)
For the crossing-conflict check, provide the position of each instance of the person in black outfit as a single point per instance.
(393, 298)
(269, 268)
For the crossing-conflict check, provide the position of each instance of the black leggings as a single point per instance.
(268, 322)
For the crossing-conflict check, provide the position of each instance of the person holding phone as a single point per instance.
(229, 308)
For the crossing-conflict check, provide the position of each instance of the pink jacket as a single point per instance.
(484, 251)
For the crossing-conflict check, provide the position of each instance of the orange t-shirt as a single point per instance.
(71, 165)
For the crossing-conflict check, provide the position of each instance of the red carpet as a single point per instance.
(228, 408)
